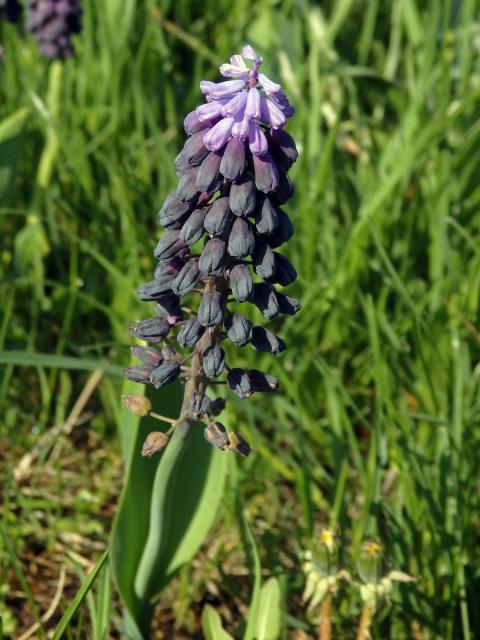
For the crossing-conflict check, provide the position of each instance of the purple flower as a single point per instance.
(223, 223)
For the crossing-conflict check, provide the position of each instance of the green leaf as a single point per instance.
(269, 617)
(79, 598)
(168, 505)
(48, 360)
(212, 625)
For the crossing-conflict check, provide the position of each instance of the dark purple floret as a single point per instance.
(52, 24)
(233, 177)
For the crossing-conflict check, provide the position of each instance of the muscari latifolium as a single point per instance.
(223, 225)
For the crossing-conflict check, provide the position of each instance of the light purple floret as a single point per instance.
(243, 106)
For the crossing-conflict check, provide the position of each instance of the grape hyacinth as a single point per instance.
(232, 182)
(10, 10)
(52, 23)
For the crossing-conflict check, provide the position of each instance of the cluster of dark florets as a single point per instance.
(10, 10)
(52, 24)
(232, 182)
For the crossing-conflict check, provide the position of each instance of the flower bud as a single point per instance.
(283, 232)
(239, 382)
(266, 216)
(239, 329)
(213, 361)
(212, 260)
(238, 444)
(265, 298)
(187, 187)
(155, 288)
(199, 406)
(187, 278)
(166, 373)
(242, 197)
(192, 124)
(209, 177)
(287, 305)
(173, 212)
(216, 435)
(194, 149)
(264, 340)
(181, 164)
(210, 312)
(168, 307)
(266, 173)
(284, 148)
(263, 260)
(169, 246)
(217, 406)
(138, 405)
(233, 161)
(241, 241)
(139, 373)
(219, 218)
(151, 330)
(285, 190)
(190, 333)
(241, 282)
(261, 381)
(285, 273)
(154, 442)
(148, 355)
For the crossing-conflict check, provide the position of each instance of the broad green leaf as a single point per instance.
(79, 598)
(212, 625)
(269, 619)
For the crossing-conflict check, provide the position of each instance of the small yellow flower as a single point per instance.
(372, 548)
(327, 539)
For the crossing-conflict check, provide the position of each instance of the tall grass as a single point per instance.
(376, 429)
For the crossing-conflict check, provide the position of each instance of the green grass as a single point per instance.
(376, 429)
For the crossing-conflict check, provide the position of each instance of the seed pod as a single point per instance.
(165, 270)
(219, 218)
(241, 241)
(209, 177)
(139, 373)
(169, 353)
(283, 146)
(239, 329)
(199, 406)
(263, 260)
(154, 442)
(210, 312)
(287, 305)
(241, 282)
(238, 444)
(242, 196)
(187, 278)
(264, 340)
(192, 230)
(266, 173)
(155, 289)
(194, 149)
(187, 187)
(285, 190)
(166, 373)
(138, 405)
(213, 361)
(285, 273)
(217, 406)
(266, 216)
(261, 381)
(212, 261)
(173, 211)
(265, 298)
(216, 435)
(170, 246)
(239, 382)
(148, 355)
(283, 232)
(151, 330)
(233, 161)
(190, 333)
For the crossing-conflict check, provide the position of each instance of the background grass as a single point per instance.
(376, 429)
